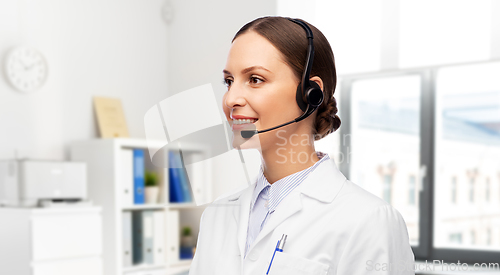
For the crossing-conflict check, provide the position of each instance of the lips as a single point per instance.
(245, 125)
(242, 117)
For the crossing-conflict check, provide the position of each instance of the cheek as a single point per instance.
(225, 108)
(277, 107)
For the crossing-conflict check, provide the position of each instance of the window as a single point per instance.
(455, 238)
(465, 40)
(384, 141)
(473, 237)
(467, 145)
(454, 190)
(487, 190)
(471, 189)
(387, 188)
(424, 122)
(411, 190)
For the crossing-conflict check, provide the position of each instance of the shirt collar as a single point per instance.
(281, 188)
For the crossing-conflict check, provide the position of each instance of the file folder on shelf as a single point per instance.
(127, 176)
(138, 176)
(175, 185)
(127, 238)
(137, 246)
(173, 240)
(186, 191)
(147, 237)
(159, 237)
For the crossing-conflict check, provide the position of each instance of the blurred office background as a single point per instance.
(418, 93)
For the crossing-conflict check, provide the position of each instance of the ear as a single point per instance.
(318, 81)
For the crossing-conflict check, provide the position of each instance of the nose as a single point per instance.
(234, 98)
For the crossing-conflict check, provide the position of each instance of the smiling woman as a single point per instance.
(299, 198)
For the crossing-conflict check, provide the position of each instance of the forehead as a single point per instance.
(251, 49)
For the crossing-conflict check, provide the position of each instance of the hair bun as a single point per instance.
(327, 120)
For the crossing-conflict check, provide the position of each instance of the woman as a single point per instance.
(332, 226)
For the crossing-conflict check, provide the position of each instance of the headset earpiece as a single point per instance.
(314, 94)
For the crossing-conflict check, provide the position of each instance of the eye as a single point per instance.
(227, 82)
(255, 80)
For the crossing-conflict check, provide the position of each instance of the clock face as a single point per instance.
(26, 69)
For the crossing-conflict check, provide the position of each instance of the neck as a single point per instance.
(282, 161)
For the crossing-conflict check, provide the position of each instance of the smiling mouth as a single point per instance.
(243, 124)
(244, 121)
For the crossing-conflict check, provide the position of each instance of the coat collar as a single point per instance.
(323, 184)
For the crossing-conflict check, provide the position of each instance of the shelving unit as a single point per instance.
(51, 241)
(106, 189)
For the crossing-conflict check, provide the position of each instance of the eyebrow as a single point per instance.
(244, 71)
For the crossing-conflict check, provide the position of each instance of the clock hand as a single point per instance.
(22, 64)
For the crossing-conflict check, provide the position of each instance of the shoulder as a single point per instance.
(363, 208)
(234, 194)
(371, 210)
(358, 198)
(377, 234)
(225, 202)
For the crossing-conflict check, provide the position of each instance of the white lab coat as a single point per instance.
(333, 227)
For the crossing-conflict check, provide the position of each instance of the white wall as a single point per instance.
(118, 49)
(94, 48)
(199, 40)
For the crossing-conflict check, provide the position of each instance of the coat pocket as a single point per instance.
(228, 260)
(284, 263)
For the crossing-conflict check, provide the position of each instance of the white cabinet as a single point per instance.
(109, 180)
(84, 266)
(51, 241)
(65, 235)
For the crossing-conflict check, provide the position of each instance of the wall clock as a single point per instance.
(26, 69)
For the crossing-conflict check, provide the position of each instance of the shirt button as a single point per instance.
(254, 255)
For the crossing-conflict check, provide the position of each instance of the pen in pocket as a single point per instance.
(279, 248)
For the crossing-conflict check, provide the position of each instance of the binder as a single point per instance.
(137, 246)
(197, 180)
(159, 237)
(127, 238)
(173, 239)
(147, 237)
(138, 176)
(186, 191)
(127, 176)
(175, 184)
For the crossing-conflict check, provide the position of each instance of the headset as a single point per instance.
(311, 90)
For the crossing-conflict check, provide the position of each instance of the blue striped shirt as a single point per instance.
(266, 197)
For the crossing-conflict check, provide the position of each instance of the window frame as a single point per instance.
(425, 249)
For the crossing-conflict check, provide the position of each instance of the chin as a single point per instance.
(239, 142)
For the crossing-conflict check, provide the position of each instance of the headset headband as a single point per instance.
(309, 62)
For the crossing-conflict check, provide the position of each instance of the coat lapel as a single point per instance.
(244, 214)
(323, 184)
(289, 206)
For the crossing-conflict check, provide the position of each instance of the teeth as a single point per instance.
(243, 121)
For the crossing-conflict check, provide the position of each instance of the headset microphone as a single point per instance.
(310, 89)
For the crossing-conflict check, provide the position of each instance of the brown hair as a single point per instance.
(290, 39)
